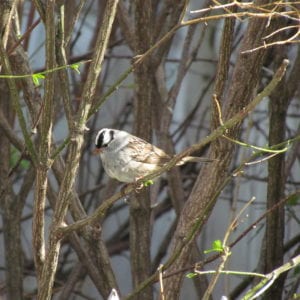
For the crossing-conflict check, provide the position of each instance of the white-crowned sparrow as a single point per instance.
(127, 158)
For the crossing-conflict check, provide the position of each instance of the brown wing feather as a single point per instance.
(143, 151)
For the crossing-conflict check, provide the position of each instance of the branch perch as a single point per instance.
(100, 212)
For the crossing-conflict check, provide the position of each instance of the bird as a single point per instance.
(128, 158)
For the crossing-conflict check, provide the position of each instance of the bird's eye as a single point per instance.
(99, 140)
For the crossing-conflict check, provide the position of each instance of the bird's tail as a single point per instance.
(195, 160)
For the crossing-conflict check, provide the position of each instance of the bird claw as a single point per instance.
(138, 187)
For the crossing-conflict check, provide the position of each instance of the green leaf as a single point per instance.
(293, 200)
(148, 183)
(14, 159)
(36, 78)
(191, 275)
(216, 246)
(24, 164)
(75, 67)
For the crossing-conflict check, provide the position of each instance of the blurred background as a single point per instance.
(184, 72)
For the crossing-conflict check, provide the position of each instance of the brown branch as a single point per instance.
(24, 36)
(126, 25)
(44, 148)
(201, 264)
(16, 104)
(73, 156)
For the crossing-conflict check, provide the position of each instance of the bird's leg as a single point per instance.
(142, 184)
(138, 186)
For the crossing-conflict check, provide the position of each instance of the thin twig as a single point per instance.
(265, 283)
(161, 283)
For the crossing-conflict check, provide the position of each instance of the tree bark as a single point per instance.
(11, 208)
(140, 206)
(204, 194)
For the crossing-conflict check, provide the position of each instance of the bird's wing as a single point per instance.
(145, 152)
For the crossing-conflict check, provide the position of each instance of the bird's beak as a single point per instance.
(97, 151)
